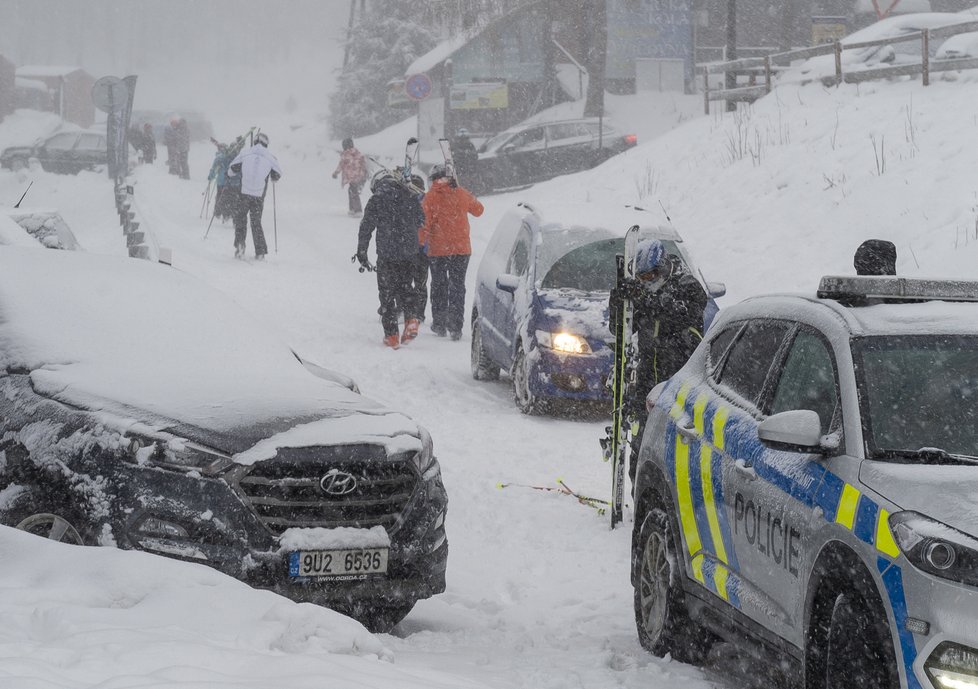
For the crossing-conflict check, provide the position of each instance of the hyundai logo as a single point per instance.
(337, 482)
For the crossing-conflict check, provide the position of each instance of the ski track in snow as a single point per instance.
(538, 586)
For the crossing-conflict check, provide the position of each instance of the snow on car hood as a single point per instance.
(577, 312)
(141, 341)
(914, 487)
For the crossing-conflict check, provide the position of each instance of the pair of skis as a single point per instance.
(402, 175)
(617, 444)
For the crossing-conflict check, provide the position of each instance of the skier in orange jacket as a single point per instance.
(445, 239)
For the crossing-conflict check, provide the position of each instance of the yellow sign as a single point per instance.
(480, 96)
(829, 29)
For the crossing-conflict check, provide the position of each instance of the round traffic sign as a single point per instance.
(418, 86)
(110, 94)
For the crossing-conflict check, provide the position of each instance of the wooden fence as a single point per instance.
(764, 69)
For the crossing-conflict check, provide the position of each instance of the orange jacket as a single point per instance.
(446, 212)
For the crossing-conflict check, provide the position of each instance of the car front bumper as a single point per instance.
(570, 376)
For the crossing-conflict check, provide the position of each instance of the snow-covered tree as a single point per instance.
(387, 38)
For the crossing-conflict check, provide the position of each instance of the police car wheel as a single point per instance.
(661, 616)
(857, 652)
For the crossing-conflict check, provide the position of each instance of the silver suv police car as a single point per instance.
(808, 488)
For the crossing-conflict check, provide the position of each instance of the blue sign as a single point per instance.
(418, 86)
(648, 28)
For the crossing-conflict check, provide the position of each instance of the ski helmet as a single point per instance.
(380, 178)
(463, 132)
(347, 143)
(875, 257)
(262, 138)
(437, 172)
(648, 256)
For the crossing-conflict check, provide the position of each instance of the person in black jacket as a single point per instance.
(395, 212)
(667, 306)
(875, 257)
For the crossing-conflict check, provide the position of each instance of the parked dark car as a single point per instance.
(534, 152)
(540, 309)
(64, 152)
(141, 409)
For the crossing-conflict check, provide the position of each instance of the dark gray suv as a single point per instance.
(141, 409)
(64, 152)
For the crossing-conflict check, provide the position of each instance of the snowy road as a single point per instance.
(538, 588)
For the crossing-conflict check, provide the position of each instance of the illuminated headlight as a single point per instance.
(952, 666)
(563, 342)
(176, 453)
(936, 548)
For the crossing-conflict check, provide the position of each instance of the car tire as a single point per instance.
(48, 519)
(527, 402)
(848, 607)
(379, 619)
(483, 368)
(661, 617)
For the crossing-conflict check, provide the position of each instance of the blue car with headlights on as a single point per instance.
(540, 309)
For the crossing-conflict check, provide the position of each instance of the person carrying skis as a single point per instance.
(353, 167)
(254, 167)
(446, 236)
(395, 213)
(667, 306)
(223, 201)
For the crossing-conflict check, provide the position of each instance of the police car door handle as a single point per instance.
(745, 470)
(686, 428)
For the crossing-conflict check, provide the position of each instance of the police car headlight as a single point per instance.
(936, 548)
(563, 342)
(953, 666)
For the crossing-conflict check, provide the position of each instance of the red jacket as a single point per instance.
(353, 166)
(446, 212)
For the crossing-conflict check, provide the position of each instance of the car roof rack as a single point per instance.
(857, 290)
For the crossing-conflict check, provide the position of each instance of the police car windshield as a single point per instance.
(918, 397)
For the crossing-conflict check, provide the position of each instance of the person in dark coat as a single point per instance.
(466, 158)
(176, 138)
(395, 213)
(149, 144)
(224, 202)
(667, 306)
(875, 257)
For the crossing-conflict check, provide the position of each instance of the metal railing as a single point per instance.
(768, 66)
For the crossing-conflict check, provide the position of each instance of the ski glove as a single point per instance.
(363, 260)
(630, 288)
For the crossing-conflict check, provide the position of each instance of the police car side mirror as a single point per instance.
(799, 430)
(716, 289)
(507, 283)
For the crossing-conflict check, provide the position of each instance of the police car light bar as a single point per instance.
(862, 287)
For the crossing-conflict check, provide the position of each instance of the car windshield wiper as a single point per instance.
(926, 455)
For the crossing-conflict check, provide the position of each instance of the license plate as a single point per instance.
(334, 564)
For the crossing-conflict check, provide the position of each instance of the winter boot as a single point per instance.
(392, 341)
(410, 330)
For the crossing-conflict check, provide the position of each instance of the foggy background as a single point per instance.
(227, 58)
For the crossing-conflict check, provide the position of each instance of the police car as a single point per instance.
(808, 488)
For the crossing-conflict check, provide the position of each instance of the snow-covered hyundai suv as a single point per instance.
(141, 409)
(808, 488)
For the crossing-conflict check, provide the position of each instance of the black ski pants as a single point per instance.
(353, 189)
(249, 206)
(448, 292)
(421, 283)
(395, 287)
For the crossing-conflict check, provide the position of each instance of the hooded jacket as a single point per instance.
(396, 215)
(353, 167)
(446, 211)
(254, 166)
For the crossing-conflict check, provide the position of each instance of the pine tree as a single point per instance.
(383, 44)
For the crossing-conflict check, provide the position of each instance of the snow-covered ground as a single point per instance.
(538, 593)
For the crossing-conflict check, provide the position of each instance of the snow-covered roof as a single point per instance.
(439, 54)
(34, 84)
(610, 216)
(133, 338)
(46, 71)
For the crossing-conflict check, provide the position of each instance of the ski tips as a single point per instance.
(500, 485)
(412, 141)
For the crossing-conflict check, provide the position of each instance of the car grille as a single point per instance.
(286, 492)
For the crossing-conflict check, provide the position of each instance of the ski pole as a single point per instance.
(274, 217)
(207, 198)
(210, 223)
